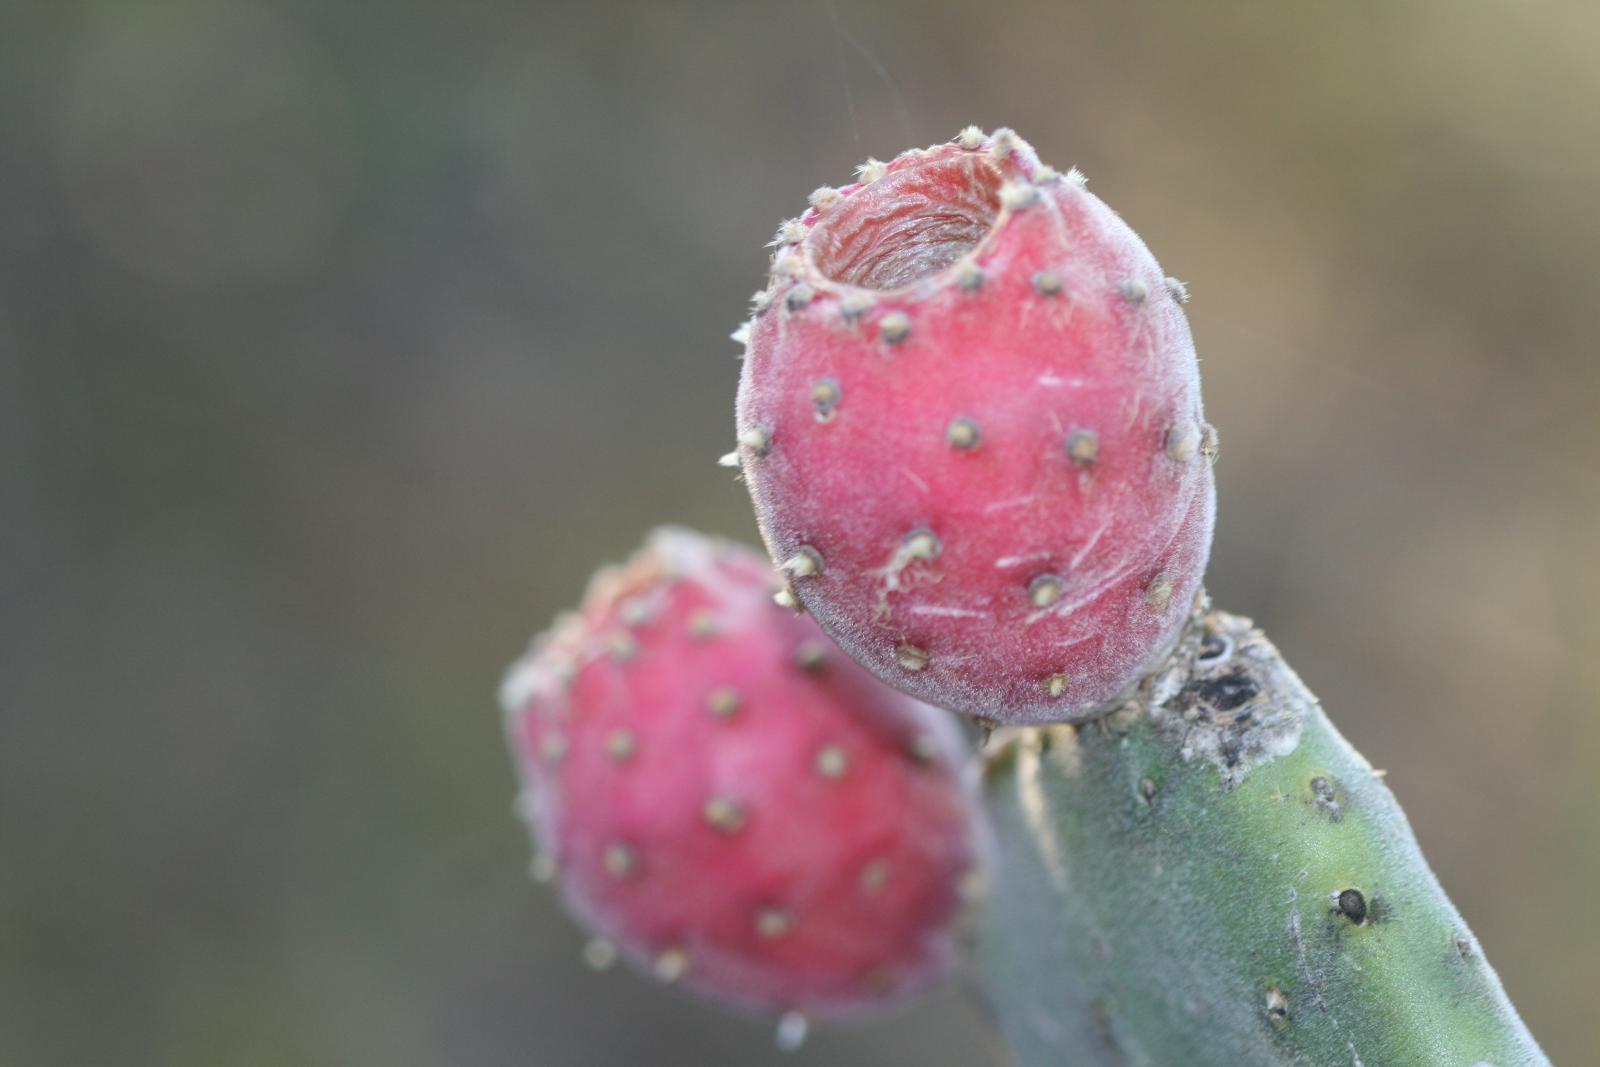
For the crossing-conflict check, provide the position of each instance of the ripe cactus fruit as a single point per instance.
(970, 421)
(729, 802)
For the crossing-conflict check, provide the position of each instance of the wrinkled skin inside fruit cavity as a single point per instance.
(729, 802)
(970, 421)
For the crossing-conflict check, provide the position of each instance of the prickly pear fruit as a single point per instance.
(970, 421)
(729, 802)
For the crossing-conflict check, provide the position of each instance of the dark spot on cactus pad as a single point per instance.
(1277, 1006)
(1226, 692)
(1214, 649)
(1353, 906)
(1325, 797)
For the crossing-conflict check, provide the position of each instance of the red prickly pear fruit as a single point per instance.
(970, 422)
(729, 802)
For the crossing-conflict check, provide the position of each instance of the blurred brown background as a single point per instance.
(339, 341)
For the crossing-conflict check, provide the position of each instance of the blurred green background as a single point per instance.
(339, 341)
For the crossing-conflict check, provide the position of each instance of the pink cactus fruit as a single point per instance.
(970, 421)
(729, 802)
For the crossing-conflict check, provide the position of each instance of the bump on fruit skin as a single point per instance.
(1016, 377)
(736, 807)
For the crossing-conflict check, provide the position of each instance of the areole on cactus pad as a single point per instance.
(970, 421)
(729, 802)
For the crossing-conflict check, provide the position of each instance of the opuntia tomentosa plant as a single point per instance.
(969, 418)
